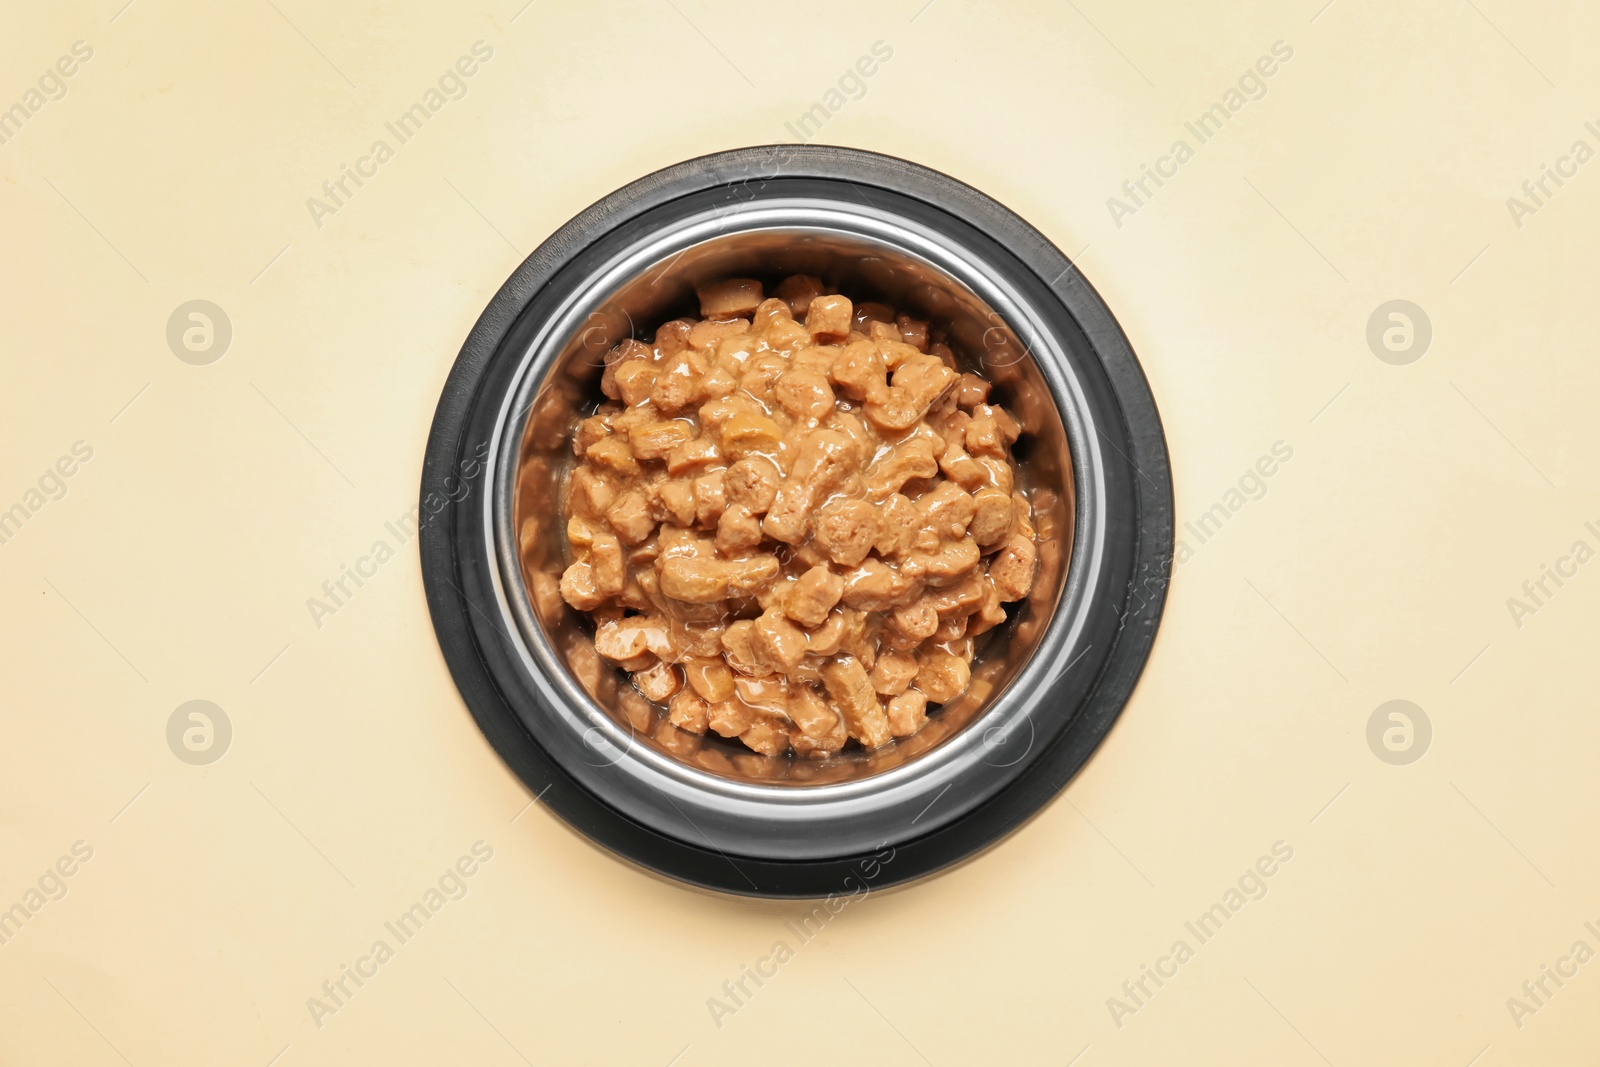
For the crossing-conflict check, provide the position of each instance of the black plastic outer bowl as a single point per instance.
(1056, 705)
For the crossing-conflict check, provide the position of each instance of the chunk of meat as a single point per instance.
(771, 315)
(753, 482)
(732, 296)
(828, 318)
(961, 468)
(991, 519)
(627, 352)
(759, 375)
(675, 499)
(692, 456)
(852, 693)
(730, 718)
(709, 676)
(971, 391)
(893, 673)
(673, 337)
(630, 516)
(913, 332)
(951, 559)
(738, 530)
(916, 384)
(745, 434)
(613, 453)
(912, 458)
(821, 730)
(588, 494)
(998, 471)
(917, 620)
(990, 611)
(811, 597)
(635, 378)
(942, 676)
(883, 331)
(983, 437)
(631, 637)
(709, 498)
(768, 736)
(592, 430)
(876, 586)
(605, 557)
(947, 509)
(742, 648)
(590, 582)
(797, 291)
(859, 371)
(1012, 568)
(897, 525)
(845, 530)
(958, 598)
(658, 683)
(689, 711)
(805, 394)
(705, 581)
(828, 639)
(768, 693)
(677, 384)
(907, 713)
(706, 334)
(824, 458)
(781, 642)
(578, 587)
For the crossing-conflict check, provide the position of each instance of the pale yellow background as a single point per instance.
(179, 563)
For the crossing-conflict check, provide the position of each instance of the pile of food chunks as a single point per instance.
(790, 519)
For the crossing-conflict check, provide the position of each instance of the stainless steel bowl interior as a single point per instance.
(631, 301)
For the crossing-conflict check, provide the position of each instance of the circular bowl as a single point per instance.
(1046, 685)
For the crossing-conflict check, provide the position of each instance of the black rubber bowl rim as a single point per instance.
(446, 469)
